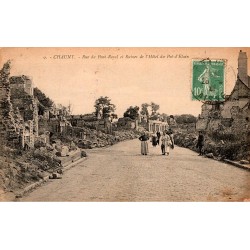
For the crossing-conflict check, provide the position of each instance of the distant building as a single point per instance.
(77, 120)
(157, 126)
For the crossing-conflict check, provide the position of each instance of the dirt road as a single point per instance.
(120, 173)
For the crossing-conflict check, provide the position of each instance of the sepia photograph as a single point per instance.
(125, 124)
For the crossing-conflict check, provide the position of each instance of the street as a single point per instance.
(121, 173)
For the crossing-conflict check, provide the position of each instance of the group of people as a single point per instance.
(165, 140)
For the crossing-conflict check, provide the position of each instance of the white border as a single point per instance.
(124, 225)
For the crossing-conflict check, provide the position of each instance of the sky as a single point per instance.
(128, 76)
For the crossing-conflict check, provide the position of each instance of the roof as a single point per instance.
(239, 81)
(244, 83)
(157, 122)
(246, 106)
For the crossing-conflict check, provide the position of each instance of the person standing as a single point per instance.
(163, 149)
(158, 134)
(166, 142)
(171, 134)
(154, 140)
(200, 143)
(144, 144)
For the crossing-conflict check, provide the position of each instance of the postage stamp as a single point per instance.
(208, 80)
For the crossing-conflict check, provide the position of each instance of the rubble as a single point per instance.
(83, 153)
(244, 162)
(210, 155)
(55, 176)
(35, 146)
(65, 151)
(103, 140)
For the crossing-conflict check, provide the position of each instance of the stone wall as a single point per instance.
(10, 130)
(19, 111)
(205, 109)
(214, 124)
(21, 100)
(202, 124)
(228, 105)
(22, 82)
(28, 108)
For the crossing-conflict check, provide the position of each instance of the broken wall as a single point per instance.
(10, 130)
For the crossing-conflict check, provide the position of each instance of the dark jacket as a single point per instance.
(143, 138)
(200, 141)
(158, 134)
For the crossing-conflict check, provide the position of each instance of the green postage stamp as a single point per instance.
(208, 80)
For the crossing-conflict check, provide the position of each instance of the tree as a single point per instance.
(155, 116)
(132, 112)
(144, 110)
(104, 108)
(154, 108)
(42, 98)
(164, 117)
(113, 116)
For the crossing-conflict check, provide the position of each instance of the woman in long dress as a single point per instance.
(144, 144)
(171, 134)
(166, 142)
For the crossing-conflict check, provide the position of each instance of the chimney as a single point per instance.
(242, 67)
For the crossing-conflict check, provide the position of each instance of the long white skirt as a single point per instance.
(144, 147)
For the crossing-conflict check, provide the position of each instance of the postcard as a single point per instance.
(125, 124)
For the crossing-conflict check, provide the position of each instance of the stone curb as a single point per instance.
(233, 163)
(46, 178)
(72, 164)
(236, 164)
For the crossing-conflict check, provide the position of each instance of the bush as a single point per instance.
(185, 119)
(227, 146)
(39, 144)
(48, 158)
(231, 151)
(218, 136)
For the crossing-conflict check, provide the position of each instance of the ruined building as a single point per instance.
(22, 98)
(19, 110)
(23, 83)
(10, 129)
(233, 114)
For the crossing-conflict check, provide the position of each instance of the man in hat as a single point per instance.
(200, 143)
